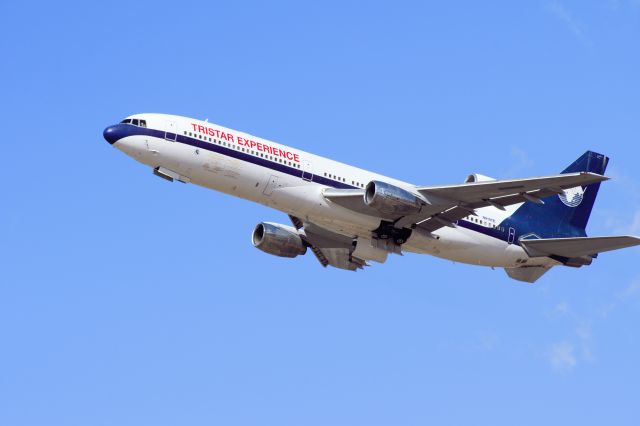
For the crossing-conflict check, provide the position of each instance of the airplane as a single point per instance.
(348, 217)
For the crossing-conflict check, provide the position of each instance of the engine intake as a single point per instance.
(391, 200)
(278, 240)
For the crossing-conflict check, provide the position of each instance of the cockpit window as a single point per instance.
(135, 122)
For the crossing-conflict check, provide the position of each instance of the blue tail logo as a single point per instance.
(572, 197)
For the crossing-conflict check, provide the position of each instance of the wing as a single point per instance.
(513, 191)
(447, 204)
(328, 247)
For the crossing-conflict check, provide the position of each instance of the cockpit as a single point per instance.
(135, 122)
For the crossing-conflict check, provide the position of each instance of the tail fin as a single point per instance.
(565, 215)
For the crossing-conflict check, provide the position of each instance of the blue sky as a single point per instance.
(127, 300)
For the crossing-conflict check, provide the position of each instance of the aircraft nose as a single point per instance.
(111, 134)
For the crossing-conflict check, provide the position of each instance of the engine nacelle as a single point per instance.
(278, 240)
(391, 200)
(477, 178)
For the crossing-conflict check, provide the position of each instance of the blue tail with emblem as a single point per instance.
(564, 215)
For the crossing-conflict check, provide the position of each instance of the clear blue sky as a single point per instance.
(127, 300)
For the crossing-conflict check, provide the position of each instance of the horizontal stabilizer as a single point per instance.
(576, 247)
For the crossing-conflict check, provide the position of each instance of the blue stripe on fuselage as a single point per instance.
(229, 152)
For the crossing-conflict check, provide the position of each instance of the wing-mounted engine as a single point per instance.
(475, 177)
(391, 200)
(278, 240)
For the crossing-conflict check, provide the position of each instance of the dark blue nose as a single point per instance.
(113, 133)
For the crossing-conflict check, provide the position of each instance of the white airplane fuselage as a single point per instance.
(293, 181)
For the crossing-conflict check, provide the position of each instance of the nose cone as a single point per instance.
(118, 131)
(111, 134)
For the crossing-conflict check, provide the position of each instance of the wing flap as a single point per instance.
(576, 247)
(446, 218)
(328, 247)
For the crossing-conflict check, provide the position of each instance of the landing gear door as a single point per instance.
(170, 131)
(307, 174)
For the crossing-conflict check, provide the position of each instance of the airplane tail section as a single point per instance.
(557, 228)
(567, 214)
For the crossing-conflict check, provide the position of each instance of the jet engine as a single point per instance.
(391, 200)
(278, 240)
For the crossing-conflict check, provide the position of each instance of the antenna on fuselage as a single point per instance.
(206, 120)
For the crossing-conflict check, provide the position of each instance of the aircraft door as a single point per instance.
(307, 174)
(170, 131)
(512, 235)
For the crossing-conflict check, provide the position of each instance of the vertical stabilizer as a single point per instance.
(567, 214)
